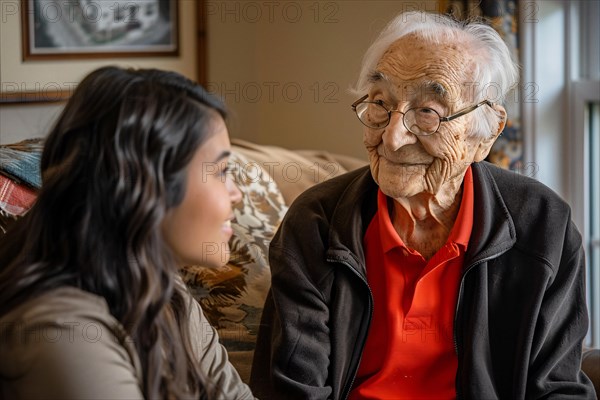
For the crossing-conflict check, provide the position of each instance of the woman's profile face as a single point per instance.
(199, 228)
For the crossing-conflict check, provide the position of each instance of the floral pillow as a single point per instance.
(232, 297)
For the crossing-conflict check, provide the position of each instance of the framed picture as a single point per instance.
(68, 29)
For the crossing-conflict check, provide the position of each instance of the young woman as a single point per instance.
(134, 186)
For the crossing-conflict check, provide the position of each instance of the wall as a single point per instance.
(23, 121)
(284, 67)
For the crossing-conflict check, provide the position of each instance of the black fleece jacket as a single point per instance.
(521, 314)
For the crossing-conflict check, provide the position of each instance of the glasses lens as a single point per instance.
(422, 121)
(372, 115)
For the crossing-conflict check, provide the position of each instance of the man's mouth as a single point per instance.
(404, 157)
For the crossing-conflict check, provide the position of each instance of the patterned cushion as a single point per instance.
(233, 296)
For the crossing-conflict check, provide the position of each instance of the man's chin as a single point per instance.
(400, 186)
(398, 180)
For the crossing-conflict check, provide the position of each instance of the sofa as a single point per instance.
(270, 178)
(232, 296)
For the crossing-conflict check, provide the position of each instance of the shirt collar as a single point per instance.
(460, 233)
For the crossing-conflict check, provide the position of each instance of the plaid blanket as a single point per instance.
(20, 179)
(15, 198)
(21, 161)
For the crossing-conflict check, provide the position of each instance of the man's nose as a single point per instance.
(395, 135)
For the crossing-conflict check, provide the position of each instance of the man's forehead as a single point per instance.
(413, 88)
(413, 64)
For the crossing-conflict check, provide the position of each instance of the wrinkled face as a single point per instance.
(199, 228)
(416, 73)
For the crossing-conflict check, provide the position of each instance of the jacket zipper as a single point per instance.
(346, 390)
(460, 292)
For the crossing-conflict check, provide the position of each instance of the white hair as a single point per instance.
(495, 72)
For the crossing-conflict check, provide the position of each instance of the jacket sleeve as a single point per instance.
(223, 381)
(292, 356)
(555, 365)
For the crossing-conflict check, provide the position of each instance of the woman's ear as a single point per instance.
(486, 144)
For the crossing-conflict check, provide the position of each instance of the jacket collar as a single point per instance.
(493, 228)
(353, 213)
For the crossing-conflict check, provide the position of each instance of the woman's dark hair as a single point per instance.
(112, 166)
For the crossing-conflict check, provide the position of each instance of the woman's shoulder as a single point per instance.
(66, 335)
(60, 304)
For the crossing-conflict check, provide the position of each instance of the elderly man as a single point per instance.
(433, 274)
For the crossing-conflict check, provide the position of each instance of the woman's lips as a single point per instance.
(227, 229)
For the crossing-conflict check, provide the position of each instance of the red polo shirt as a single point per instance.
(409, 353)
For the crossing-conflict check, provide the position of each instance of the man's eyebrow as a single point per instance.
(377, 76)
(434, 88)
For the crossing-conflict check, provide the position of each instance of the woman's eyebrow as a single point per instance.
(222, 155)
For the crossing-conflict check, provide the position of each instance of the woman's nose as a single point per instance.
(235, 195)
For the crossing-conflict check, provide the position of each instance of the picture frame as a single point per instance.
(31, 83)
(80, 29)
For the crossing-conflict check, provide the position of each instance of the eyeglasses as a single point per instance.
(421, 121)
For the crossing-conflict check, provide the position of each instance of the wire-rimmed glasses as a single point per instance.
(421, 121)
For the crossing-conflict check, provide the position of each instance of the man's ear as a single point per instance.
(486, 144)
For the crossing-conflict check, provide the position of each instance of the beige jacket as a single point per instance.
(66, 345)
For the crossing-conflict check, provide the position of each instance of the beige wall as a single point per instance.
(284, 67)
(24, 121)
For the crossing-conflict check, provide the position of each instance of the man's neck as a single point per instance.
(424, 221)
